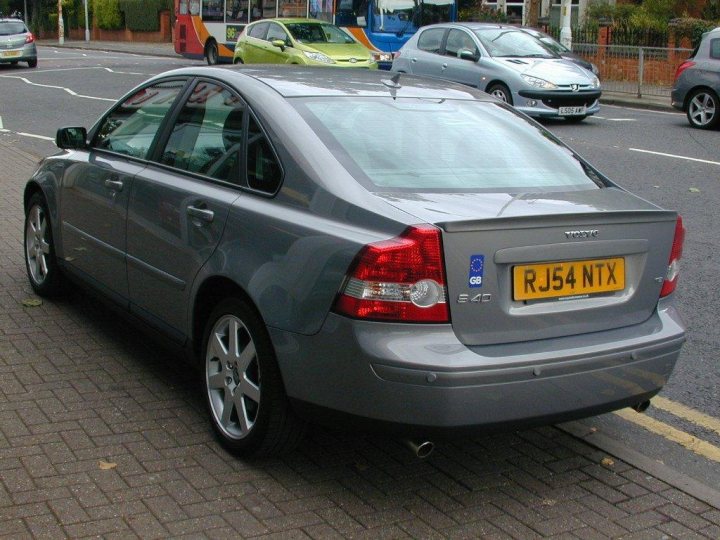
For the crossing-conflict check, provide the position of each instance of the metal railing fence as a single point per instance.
(640, 71)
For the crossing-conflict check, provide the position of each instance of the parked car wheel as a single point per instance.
(703, 110)
(40, 261)
(32, 63)
(501, 92)
(211, 52)
(249, 410)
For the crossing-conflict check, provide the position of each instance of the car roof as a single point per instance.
(475, 26)
(290, 20)
(306, 81)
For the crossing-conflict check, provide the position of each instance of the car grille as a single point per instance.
(568, 101)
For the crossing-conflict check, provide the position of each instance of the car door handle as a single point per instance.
(115, 185)
(201, 213)
(444, 67)
(413, 60)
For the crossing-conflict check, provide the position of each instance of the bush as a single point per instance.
(479, 11)
(142, 15)
(107, 14)
(688, 27)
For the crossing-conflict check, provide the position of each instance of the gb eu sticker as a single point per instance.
(477, 268)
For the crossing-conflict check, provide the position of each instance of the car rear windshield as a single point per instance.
(419, 144)
(318, 33)
(10, 28)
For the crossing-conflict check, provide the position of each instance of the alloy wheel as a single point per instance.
(37, 245)
(702, 109)
(232, 377)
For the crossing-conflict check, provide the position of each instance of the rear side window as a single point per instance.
(131, 127)
(430, 40)
(208, 133)
(419, 144)
(263, 169)
(715, 49)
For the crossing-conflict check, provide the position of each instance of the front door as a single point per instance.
(95, 191)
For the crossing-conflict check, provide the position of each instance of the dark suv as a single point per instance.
(17, 44)
(697, 83)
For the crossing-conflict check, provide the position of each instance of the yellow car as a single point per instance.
(300, 41)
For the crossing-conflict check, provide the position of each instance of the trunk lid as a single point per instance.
(494, 243)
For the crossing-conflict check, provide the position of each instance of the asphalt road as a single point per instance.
(652, 153)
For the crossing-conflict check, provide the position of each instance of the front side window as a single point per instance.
(457, 41)
(208, 133)
(431, 39)
(131, 127)
(318, 33)
(276, 32)
(419, 144)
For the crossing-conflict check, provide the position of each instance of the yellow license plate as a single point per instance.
(566, 279)
(10, 54)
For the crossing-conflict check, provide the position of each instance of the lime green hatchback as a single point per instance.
(300, 41)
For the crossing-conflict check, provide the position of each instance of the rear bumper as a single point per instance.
(22, 54)
(421, 377)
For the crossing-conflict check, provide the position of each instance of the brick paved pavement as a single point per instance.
(79, 389)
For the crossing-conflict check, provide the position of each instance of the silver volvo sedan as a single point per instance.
(334, 246)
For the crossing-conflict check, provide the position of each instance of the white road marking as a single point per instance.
(68, 90)
(615, 119)
(36, 71)
(34, 136)
(649, 111)
(675, 156)
(1, 125)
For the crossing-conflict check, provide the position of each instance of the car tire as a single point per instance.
(501, 92)
(15, 62)
(249, 410)
(32, 63)
(703, 110)
(40, 262)
(575, 119)
(211, 53)
(238, 61)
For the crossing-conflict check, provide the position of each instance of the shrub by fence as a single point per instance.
(142, 15)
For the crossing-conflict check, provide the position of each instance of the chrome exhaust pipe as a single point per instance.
(421, 449)
(642, 406)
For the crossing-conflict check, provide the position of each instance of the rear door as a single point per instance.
(178, 207)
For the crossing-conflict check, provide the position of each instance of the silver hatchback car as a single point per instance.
(334, 245)
(17, 44)
(505, 62)
(697, 83)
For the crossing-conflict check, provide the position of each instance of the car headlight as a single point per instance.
(594, 69)
(382, 56)
(539, 83)
(595, 82)
(319, 57)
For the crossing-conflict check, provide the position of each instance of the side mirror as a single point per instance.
(279, 43)
(467, 54)
(71, 138)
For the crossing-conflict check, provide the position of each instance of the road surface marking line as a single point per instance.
(68, 90)
(698, 446)
(43, 137)
(674, 156)
(686, 413)
(1, 124)
(639, 109)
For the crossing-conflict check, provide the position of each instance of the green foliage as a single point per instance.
(107, 14)
(688, 27)
(478, 10)
(711, 12)
(142, 15)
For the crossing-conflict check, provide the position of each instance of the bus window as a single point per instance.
(292, 8)
(395, 16)
(436, 11)
(351, 12)
(237, 11)
(212, 10)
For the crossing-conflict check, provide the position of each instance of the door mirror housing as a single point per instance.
(279, 43)
(71, 138)
(467, 54)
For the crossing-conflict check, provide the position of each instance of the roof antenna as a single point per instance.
(393, 84)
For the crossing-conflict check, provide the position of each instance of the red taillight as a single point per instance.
(29, 38)
(682, 67)
(401, 279)
(674, 263)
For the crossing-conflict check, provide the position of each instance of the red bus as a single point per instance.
(209, 28)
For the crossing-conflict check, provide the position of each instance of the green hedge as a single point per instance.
(142, 15)
(691, 28)
(107, 14)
